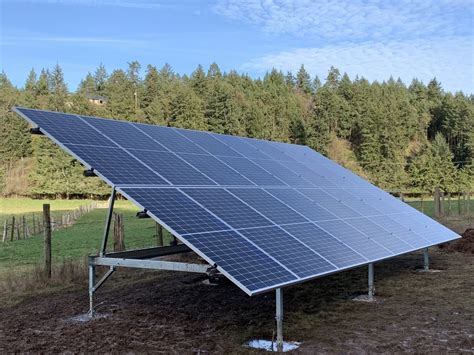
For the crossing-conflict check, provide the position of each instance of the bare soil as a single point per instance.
(165, 312)
(463, 245)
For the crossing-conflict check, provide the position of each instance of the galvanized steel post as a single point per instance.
(371, 282)
(426, 260)
(91, 286)
(279, 318)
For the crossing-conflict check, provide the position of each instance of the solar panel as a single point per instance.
(267, 214)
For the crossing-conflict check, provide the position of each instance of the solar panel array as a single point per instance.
(268, 214)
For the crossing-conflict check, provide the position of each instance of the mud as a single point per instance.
(169, 312)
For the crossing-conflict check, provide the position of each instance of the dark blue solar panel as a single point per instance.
(353, 202)
(270, 186)
(170, 139)
(379, 234)
(428, 229)
(209, 143)
(124, 134)
(241, 146)
(271, 149)
(242, 260)
(296, 256)
(402, 232)
(66, 128)
(302, 204)
(268, 206)
(251, 171)
(228, 208)
(309, 174)
(216, 170)
(324, 244)
(119, 167)
(171, 167)
(336, 207)
(175, 210)
(355, 239)
(281, 172)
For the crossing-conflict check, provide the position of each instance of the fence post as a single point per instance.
(436, 201)
(47, 240)
(441, 204)
(159, 234)
(449, 204)
(24, 227)
(12, 234)
(34, 225)
(422, 203)
(119, 235)
(5, 231)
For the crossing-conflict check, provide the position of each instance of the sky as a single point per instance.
(375, 39)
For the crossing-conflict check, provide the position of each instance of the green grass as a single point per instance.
(77, 241)
(84, 237)
(428, 206)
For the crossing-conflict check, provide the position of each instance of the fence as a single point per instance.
(26, 226)
(441, 204)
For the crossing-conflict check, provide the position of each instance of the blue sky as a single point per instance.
(371, 38)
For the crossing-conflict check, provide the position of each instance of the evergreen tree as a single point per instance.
(303, 81)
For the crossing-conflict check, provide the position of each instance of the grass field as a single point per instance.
(75, 242)
(84, 237)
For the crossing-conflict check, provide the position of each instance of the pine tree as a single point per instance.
(58, 89)
(303, 81)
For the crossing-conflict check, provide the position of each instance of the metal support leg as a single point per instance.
(279, 318)
(91, 288)
(107, 223)
(371, 282)
(426, 260)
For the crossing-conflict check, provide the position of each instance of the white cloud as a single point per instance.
(450, 59)
(356, 19)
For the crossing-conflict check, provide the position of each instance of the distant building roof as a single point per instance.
(97, 97)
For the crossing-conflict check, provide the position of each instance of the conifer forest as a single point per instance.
(410, 137)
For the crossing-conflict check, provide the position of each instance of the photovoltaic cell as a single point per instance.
(355, 239)
(117, 165)
(175, 210)
(251, 171)
(242, 260)
(269, 148)
(324, 244)
(170, 139)
(268, 206)
(402, 232)
(216, 170)
(337, 207)
(124, 134)
(302, 204)
(286, 175)
(66, 128)
(227, 207)
(267, 213)
(241, 146)
(379, 234)
(209, 143)
(171, 167)
(296, 256)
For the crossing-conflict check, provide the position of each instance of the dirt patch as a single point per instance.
(169, 312)
(463, 245)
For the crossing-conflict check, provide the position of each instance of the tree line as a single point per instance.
(410, 138)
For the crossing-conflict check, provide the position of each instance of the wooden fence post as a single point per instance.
(12, 234)
(119, 234)
(159, 234)
(34, 225)
(5, 231)
(441, 204)
(422, 203)
(47, 240)
(449, 204)
(24, 227)
(436, 198)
